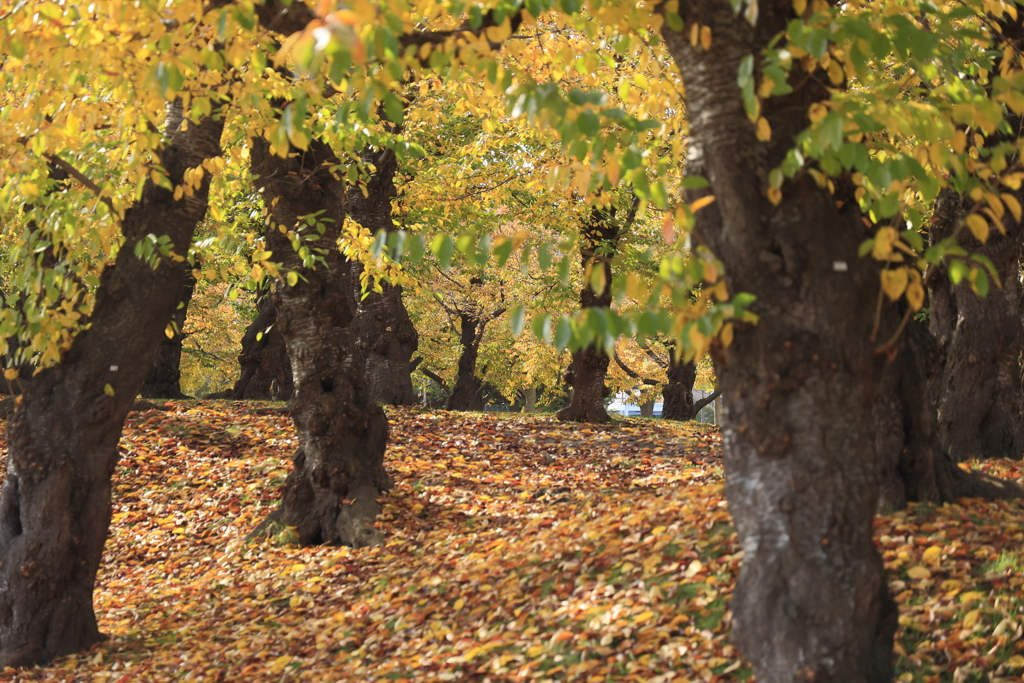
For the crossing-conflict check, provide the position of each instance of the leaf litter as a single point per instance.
(518, 548)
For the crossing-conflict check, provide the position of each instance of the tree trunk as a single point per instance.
(62, 440)
(386, 335)
(388, 341)
(647, 408)
(266, 372)
(467, 394)
(802, 476)
(164, 377)
(916, 467)
(331, 495)
(587, 370)
(979, 394)
(530, 400)
(678, 393)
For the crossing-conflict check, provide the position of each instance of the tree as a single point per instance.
(600, 234)
(331, 494)
(386, 336)
(62, 440)
(164, 377)
(812, 601)
(266, 372)
(678, 393)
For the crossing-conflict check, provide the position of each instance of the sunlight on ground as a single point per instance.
(518, 549)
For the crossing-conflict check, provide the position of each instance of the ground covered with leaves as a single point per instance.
(518, 548)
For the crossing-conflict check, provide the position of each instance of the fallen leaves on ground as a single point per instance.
(518, 548)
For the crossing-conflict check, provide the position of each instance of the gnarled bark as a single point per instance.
(916, 467)
(164, 377)
(385, 333)
(266, 372)
(979, 394)
(802, 479)
(678, 393)
(588, 368)
(62, 440)
(331, 494)
(467, 394)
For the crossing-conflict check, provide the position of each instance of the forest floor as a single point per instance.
(518, 548)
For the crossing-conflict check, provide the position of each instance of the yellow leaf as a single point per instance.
(30, 190)
(894, 282)
(835, 73)
(644, 616)
(931, 555)
(694, 34)
(817, 112)
(295, 601)
(799, 6)
(919, 572)
(705, 37)
(915, 295)
(699, 204)
(1015, 662)
(535, 651)
(1012, 204)
(971, 595)
(498, 34)
(459, 604)
(959, 142)
(996, 203)
(978, 226)
(971, 618)
(764, 131)
(10, 373)
(774, 195)
(278, 665)
(884, 239)
(726, 335)
(693, 569)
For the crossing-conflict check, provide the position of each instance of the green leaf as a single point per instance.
(517, 319)
(588, 123)
(563, 333)
(443, 247)
(542, 327)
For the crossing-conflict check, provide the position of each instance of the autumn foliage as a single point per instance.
(517, 548)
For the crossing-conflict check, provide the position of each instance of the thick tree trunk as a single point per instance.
(467, 394)
(647, 408)
(802, 476)
(530, 400)
(979, 394)
(385, 333)
(62, 440)
(589, 366)
(164, 377)
(331, 495)
(916, 467)
(678, 393)
(266, 372)
(388, 341)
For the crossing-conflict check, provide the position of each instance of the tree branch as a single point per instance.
(633, 374)
(434, 376)
(82, 178)
(706, 400)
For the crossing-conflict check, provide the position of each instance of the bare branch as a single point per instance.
(634, 374)
(82, 178)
